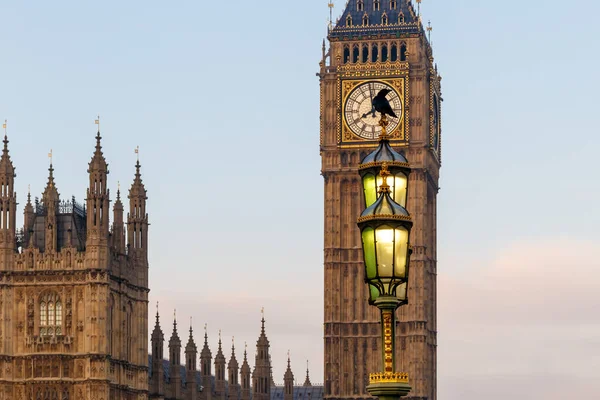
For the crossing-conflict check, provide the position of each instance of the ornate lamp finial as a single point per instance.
(384, 173)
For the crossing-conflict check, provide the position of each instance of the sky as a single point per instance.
(223, 101)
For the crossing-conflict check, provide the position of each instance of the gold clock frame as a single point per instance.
(392, 74)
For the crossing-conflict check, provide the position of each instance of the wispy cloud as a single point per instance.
(531, 313)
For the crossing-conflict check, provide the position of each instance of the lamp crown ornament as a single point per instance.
(384, 173)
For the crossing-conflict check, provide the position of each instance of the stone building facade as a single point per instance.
(378, 44)
(73, 295)
(74, 307)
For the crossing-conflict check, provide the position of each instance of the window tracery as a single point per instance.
(50, 315)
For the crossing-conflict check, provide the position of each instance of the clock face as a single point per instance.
(358, 107)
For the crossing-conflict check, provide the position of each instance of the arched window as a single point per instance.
(366, 20)
(355, 54)
(384, 19)
(393, 4)
(376, 5)
(394, 55)
(403, 52)
(51, 315)
(365, 54)
(401, 18)
(374, 53)
(360, 5)
(349, 20)
(346, 54)
(384, 53)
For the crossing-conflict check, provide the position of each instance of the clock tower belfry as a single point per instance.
(375, 45)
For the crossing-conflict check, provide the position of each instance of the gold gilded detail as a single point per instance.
(386, 216)
(379, 163)
(384, 173)
(388, 377)
(388, 356)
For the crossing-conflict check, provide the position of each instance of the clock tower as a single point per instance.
(375, 45)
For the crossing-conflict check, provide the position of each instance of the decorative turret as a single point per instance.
(288, 381)
(205, 368)
(50, 201)
(97, 198)
(307, 380)
(156, 380)
(118, 232)
(137, 219)
(8, 204)
(28, 218)
(220, 371)
(245, 376)
(261, 376)
(233, 369)
(191, 352)
(175, 361)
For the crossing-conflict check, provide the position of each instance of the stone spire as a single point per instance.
(288, 381)
(157, 339)
(28, 218)
(8, 203)
(245, 376)
(262, 367)
(50, 194)
(220, 371)
(191, 352)
(307, 380)
(118, 232)
(233, 369)
(98, 199)
(205, 367)
(175, 360)
(50, 200)
(137, 219)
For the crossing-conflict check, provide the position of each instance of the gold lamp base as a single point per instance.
(388, 385)
(388, 377)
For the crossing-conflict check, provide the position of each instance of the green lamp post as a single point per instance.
(385, 229)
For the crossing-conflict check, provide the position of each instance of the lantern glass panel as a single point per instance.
(398, 184)
(401, 245)
(399, 189)
(385, 251)
(374, 293)
(401, 292)
(368, 238)
(370, 189)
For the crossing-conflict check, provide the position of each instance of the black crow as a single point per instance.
(381, 104)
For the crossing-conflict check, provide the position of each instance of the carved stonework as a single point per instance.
(54, 297)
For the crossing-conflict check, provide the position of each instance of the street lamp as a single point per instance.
(385, 232)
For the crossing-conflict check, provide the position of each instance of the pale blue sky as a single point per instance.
(222, 99)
